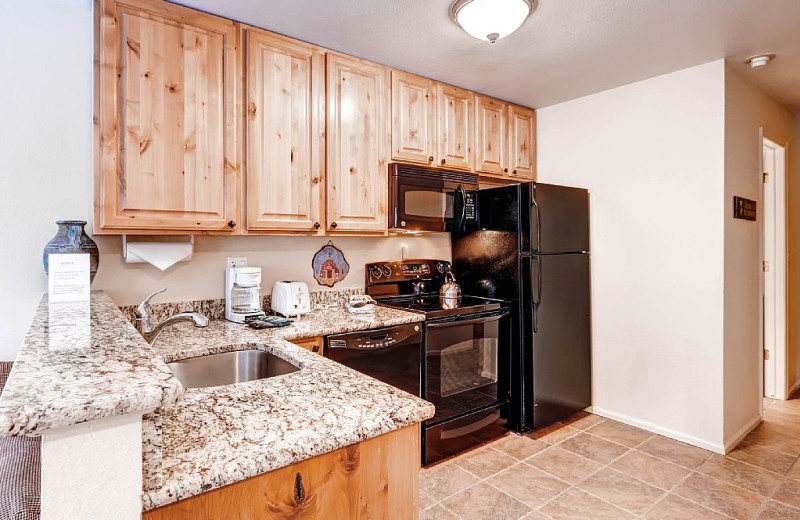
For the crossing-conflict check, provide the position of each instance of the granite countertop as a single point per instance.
(80, 362)
(221, 435)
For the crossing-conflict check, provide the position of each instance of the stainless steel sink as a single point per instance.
(228, 368)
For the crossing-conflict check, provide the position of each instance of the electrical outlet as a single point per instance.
(237, 261)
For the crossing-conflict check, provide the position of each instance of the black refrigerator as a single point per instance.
(530, 246)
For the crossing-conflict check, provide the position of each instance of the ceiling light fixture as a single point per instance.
(490, 20)
(760, 61)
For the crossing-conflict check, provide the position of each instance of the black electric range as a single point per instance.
(465, 357)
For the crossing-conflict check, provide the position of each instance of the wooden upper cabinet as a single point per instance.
(455, 123)
(412, 118)
(285, 92)
(357, 173)
(491, 130)
(521, 142)
(166, 134)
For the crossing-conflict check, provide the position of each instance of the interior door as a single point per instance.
(561, 337)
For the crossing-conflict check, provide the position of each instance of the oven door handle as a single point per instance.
(468, 321)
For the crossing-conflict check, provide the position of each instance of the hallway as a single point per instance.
(594, 468)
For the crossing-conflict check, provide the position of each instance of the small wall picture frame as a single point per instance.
(329, 265)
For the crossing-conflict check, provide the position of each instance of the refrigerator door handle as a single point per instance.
(537, 292)
(535, 205)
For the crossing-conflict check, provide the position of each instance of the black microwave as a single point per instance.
(423, 198)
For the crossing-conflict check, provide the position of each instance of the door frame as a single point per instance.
(776, 303)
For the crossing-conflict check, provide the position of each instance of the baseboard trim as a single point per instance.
(741, 434)
(666, 432)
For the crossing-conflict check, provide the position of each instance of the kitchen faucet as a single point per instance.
(144, 320)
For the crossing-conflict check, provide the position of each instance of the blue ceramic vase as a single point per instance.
(71, 238)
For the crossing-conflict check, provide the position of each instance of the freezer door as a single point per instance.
(559, 219)
(560, 332)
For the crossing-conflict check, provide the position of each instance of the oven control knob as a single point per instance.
(416, 328)
(441, 267)
(375, 272)
(387, 271)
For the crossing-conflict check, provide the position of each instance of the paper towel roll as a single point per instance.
(160, 254)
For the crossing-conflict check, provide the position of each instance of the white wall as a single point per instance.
(651, 154)
(46, 167)
(747, 110)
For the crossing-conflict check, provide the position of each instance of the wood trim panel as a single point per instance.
(377, 479)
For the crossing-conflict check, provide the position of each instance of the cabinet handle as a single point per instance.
(231, 224)
(430, 158)
(505, 170)
(316, 225)
(514, 172)
(444, 161)
(315, 348)
(333, 225)
(299, 492)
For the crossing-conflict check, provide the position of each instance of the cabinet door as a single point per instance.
(521, 142)
(284, 82)
(313, 344)
(455, 126)
(412, 118)
(166, 118)
(491, 135)
(358, 192)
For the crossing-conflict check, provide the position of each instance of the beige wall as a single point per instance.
(793, 210)
(46, 175)
(747, 110)
(651, 155)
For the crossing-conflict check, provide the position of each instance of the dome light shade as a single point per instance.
(490, 20)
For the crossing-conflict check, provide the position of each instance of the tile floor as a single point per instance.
(590, 468)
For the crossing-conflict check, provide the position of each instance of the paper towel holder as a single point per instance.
(125, 243)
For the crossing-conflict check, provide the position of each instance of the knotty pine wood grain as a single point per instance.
(377, 479)
(455, 127)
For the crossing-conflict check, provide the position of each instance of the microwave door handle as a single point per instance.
(463, 194)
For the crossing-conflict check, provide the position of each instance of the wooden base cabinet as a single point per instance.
(285, 133)
(358, 140)
(312, 344)
(165, 119)
(377, 479)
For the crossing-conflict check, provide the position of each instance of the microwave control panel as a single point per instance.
(470, 206)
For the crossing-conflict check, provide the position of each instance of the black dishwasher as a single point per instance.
(391, 354)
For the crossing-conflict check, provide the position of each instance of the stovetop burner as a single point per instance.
(435, 307)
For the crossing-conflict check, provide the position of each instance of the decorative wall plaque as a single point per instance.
(330, 266)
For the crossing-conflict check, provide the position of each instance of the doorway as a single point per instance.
(774, 268)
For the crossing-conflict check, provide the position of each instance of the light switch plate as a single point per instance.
(236, 261)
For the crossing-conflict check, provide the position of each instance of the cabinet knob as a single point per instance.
(514, 172)
(315, 348)
(444, 161)
(333, 225)
(231, 224)
(430, 158)
(316, 225)
(505, 170)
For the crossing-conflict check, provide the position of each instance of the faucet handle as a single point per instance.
(142, 309)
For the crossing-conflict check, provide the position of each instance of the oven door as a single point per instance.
(432, 203)
(467, 363)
